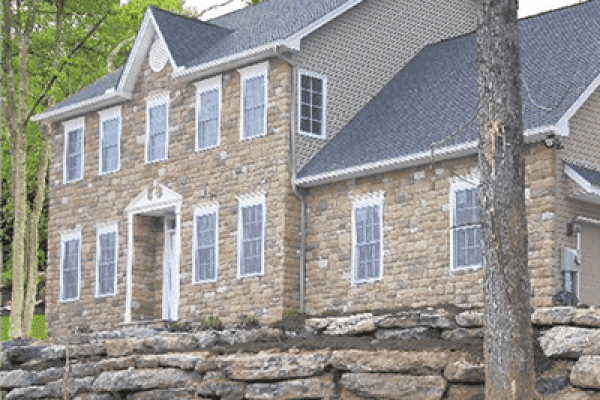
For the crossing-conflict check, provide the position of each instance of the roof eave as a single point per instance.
(109, 98)
(411, 160)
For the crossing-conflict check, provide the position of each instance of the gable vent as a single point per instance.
(158, 56)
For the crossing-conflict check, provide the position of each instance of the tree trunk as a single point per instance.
(508, 349)
(33, 233)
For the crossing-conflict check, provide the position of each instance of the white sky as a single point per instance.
(526, 7)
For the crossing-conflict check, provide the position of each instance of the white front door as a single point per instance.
(169, 298)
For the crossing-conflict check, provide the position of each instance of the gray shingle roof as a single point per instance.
(593, 177)
(193, 42)
(93, 90)
(437, 91)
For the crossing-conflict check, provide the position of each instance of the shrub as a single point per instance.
(213, 323)
(292, 313)
(249, 321)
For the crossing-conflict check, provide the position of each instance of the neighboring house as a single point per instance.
(278, 158)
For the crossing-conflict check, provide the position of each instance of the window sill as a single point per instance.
(251, 275)
(103, 296)
(108, 172)
(245, 139)
(200, 150)
(368, 280)
(470, 268)
(69, 300)
(205, 281)
(312, 135)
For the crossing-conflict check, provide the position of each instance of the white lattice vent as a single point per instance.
(158, 56)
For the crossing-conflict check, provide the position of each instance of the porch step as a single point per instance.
(152, 323)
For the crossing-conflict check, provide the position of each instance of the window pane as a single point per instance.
(305, 81)
(316, 128)
(158, 119)
(74, 142)
(110, 132)
(317, 99)
(305, 111)
(73, 167)
(305, 125)
(305, 96)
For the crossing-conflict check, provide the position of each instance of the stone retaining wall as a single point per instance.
(146, 364)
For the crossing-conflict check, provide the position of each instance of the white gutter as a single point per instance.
(412, 160)
(581, 181)
(586, 220)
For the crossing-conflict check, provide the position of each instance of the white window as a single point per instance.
(367, 237)
(73, 150)
(465, 231)
(251, 235)
(70, 266)
(312, 103)
(208, 113)
(253, 118)
(157, 132)
(107, 254)
(110, 140)
(205, 257)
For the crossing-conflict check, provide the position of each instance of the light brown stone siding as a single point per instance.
(234, 168)
(416, 239)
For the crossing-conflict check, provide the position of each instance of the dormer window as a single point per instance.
(253, 116)
(110, 140)
(312, 95)
(208, 113)
(157, 123)
(73, 150)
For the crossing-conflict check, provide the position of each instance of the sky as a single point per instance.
(526, 7)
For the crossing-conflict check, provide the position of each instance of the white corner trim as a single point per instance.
(457, 183)
(295, 40)
(204, 86)
(70, 126)
(253, 71)
(367, 200)
(107, 115)
(323, 135)
(563, 122)
(154, 100)
(102, 229)
(249, 200)
(199, 211)
(74, 234)
(581, 181)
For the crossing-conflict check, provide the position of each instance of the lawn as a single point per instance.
(38, 327)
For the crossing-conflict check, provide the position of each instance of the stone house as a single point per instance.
(280, 157)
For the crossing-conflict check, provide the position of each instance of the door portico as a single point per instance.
(157, 201)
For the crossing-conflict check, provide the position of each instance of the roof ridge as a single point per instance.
(190, 18)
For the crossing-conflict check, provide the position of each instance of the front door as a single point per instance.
(169, 300)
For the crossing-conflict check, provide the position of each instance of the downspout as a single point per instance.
(298, 192)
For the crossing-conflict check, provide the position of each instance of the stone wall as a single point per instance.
(416, 238)
(276, 363)
(221, 174)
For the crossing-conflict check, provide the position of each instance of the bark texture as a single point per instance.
(509, 372)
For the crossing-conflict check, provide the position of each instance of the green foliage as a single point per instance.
(327, 312)
(249, 321)
(213, 323)
(253, 2)
(292, 313)
(38, 327)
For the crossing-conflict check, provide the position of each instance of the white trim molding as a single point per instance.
(152, 200)
(101, 229)
(250, 200)
(323, 78)
(107, 115)
(200, 211)
(471, 181)
(74, 234)
(253, 71)
(202, 87)
(581, 181)
(152, 101)
(70, 126)
(358, 202)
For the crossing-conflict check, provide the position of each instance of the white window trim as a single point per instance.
(460, 183)
(65, 237)
(199, 211)
(107, 115)
(101, 230)
(367, 200)
(206, 86)
(153, 101)
(323, 135)
(248, 200)
(249, 73)
(70, 126)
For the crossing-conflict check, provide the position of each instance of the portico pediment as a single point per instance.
(154, 197)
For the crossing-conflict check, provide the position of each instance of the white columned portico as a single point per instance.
(156, 200)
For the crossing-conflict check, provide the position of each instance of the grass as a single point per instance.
(38, 327)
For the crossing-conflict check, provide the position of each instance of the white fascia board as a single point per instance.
(83, 107)
(412, 160)
(581, 181)
(563, 122)
(294, 40)
(233, 61)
